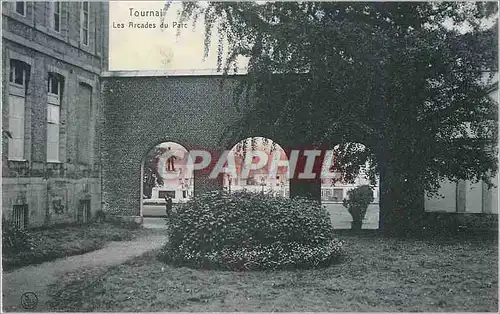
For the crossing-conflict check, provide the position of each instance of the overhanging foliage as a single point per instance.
(405, 79)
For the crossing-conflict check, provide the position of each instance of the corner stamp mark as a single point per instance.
(29, 300)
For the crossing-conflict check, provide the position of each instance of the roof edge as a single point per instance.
(167, 73)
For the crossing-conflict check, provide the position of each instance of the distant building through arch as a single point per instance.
(272, 178)
(167, 171)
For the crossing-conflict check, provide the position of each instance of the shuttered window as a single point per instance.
(85, 23)
(55, 85)
(18, 84)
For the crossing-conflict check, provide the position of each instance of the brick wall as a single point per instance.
(195, 111)
(140, 113)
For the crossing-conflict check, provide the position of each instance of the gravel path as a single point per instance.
(36, 278)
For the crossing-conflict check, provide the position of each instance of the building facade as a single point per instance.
(467, 196)
(53, 54)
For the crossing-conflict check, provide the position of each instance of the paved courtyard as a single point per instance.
(341, 219)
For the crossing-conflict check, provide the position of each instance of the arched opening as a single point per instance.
(351, 166)
(167, 172)
(260, 166)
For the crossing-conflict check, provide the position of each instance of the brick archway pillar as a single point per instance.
(307, 187)
(203, 182)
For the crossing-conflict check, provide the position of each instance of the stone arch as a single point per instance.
(186, 171)
(143, 109)
(334, 190)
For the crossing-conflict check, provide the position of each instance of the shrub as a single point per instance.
(357, 202)
(250, 231)
(15, 239)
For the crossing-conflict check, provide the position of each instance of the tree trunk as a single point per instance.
(389, 213)
(401, 204)
(385, 206)
(356, 225)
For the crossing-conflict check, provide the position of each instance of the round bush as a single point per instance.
(243, 231)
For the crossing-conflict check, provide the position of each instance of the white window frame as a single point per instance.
(17, 90)
(84, 39)
(53, 6)
(13, 73)
(24, 7)
(54, 101)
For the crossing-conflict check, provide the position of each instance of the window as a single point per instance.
(56, 16)
(16, 127)
(326, 193)
(21, 7)
(84, 214)
(18, 78)
(338, 195)
(85, 23)
(18, 72)
(20, 216)
(55, 84)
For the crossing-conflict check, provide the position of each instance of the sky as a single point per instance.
(133, 48)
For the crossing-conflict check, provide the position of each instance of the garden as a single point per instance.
(380, 274)
(251, 252)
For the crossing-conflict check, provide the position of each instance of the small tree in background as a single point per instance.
(357, 202)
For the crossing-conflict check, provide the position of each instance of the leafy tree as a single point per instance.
(404, 79)
(152, 176)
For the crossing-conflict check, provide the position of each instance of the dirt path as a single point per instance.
(36, 278)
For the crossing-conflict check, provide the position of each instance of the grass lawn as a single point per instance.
(380, 274)
(69, 240)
